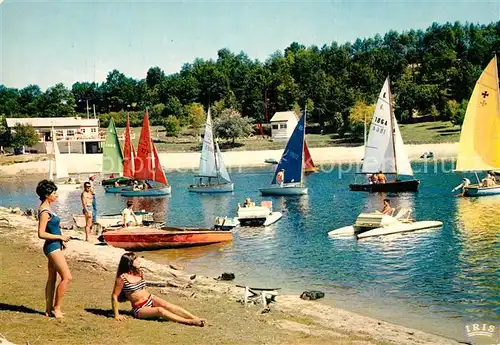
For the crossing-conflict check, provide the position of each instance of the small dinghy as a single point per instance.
(251, 215)
(224, 223)
(378, 224)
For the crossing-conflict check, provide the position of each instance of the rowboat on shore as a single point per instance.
(107, 220)
(150, 238)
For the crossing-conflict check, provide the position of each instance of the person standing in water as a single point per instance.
(87, 199)
(49, 230)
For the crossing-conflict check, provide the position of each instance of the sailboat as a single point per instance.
(479, 148)
(309, 166)
(211, 166)
(127, 162)
(384, 150)
(147, 166)
(291, 165)
(61, 170)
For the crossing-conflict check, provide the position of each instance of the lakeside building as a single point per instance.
(72, 134)
(282, 124)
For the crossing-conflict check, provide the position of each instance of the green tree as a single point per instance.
(357, 116)
(57, 101)
(24, 135)
(195, 114)
(459, 115)
(5, 137)
(172, 126)
(231, 125)
(452, 108)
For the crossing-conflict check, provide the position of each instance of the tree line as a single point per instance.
(432, 71)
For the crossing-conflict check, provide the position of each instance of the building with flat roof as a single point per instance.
(72, 134)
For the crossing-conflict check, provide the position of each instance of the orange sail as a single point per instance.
(128, 153)
(308, 162)
(143, 161)
(159, 174)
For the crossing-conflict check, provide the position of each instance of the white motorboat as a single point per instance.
(224, 223)
(107, 220)
(378, 224)
(263, 215)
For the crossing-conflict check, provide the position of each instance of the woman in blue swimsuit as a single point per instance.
(49, 230)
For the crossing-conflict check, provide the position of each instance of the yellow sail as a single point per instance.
(480, 137)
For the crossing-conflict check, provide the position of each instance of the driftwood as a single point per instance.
(169, 283)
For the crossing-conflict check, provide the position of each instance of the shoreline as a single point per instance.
(332, 320)
(189, 161)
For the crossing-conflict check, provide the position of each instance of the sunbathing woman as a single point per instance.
(49, 230)
(130, 285)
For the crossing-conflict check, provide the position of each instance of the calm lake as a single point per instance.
(437, 280)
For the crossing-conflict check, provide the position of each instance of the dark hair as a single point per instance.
(45, 188)
(129, 203)
(126, 265)
(387, 200)
(87, 184)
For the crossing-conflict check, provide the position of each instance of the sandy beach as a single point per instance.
(188, 161)
(290, 320)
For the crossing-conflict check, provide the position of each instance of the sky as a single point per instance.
(47, 42)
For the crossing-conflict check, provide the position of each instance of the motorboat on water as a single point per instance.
(107, 220)
(379, 224)
(251, 215)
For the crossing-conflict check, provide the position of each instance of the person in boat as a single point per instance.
(116, 184)
(247, 202)
(489, 180)
(465, 183)
(381, 177)
(387, 209)
(130, 285)
(128, 215)
(49, 229)
(372, 179)
(87, 199)
(280, 177)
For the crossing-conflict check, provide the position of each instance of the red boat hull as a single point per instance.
(144, 238)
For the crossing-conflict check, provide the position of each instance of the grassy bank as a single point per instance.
(88, 317)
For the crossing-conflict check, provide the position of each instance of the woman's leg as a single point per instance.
(158, 302)
(50, 288)
(59, 262)
(159, 312)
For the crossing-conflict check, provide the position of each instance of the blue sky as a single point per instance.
(45, 42)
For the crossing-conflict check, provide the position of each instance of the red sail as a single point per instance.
(159, 173)
(308, 162)
(128, 153)
(144, 160)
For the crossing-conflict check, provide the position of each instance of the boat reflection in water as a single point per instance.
(478, 224)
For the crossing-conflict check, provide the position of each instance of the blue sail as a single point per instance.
(291, 160)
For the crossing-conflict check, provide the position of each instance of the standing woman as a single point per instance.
(49, 230)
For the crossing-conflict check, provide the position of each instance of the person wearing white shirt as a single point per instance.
(128, 215)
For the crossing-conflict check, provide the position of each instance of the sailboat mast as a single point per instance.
(303, 141)
(392, 126)
(151, 155)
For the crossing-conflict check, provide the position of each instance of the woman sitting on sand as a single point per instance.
(130, 285)
(49, 230)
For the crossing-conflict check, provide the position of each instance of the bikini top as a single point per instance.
(129, 287)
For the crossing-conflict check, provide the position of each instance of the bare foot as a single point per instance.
(58, 314)
(198, 322)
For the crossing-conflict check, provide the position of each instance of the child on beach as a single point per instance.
(49, 230)
(128, 215)
(130, 285)
(87, 199)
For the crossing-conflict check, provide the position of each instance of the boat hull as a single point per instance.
(267, 220)
(214, 188)
(149, 192)
(109, 189)
(391, 187)
(144, 238)
(399, 228)
(111, 181)
(308, 171)
(481, 191)
(285, 190)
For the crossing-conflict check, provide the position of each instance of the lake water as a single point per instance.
(437, 280)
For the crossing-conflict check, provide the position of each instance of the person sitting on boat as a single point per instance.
(489, 180)
(117, 184)
(280, 177)
(372, 179)
(387, 209)
(247, 202)
(465, 183)
(381, 177)
(128, 215)
(130, 285)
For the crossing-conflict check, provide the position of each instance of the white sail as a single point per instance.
(402, 161)
(379, 149)
(207, 158)
(61, 168)
(220, 165)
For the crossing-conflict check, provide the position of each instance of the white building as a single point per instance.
(282, 124)
(73, 134)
